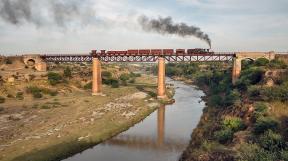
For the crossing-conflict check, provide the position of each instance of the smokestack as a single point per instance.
(167, 26)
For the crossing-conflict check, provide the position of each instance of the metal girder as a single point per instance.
(221, 57)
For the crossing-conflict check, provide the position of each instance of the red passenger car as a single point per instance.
(180, 51)
(156, 52)
(168, 51)
(132, 52)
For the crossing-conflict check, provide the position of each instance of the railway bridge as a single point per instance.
(154, 55)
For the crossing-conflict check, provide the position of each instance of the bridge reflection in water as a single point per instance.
(148, 142)
(162, 136)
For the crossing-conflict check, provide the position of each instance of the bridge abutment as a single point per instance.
(161, 78)
(96, 80)
(247, 55)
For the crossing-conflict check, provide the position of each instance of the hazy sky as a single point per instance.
(73, 26)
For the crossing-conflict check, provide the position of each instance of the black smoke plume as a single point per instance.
(167, 26)
(59, 12)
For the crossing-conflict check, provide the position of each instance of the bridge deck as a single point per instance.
(192, 57)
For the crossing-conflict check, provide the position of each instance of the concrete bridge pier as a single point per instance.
(236, 70)
(161, 78)
(96, 80)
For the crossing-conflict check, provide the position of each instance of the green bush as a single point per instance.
(284, 155)
(250, 76)
(19, 96)
(132, 80)
(35, 91)
(67, 72)
(275, 93)
(114, 83)
(124, 77)
(260, 110)
(2, 99)
(54, 78)
(152, 94)
(261, 62)
(106, 74)
(233, 123)
(279, 64)
(215, 100)
(37, 95)
(88, 86)
(265, 123)
(224, 136)
(254, 92)
(135, 74)
(252, 152)
(271, 141)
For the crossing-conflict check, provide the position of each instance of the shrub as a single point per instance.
(261, 62)
(37, 95)
(215, 100)
(132, 80)
(231, 98)
(260, 110)
(124, 77)
(152, 94)
(233, 123)
(106, 74)
(67, 72)
(252, 152)
(284, 155)
(279, 64)
(35, 91)
(1, 109)
(265, 123)
(114, 83)
(253, 92)
(19, 96)
(88, 86)
(2, 99)
(54, 78)
(8, 61)
(53, 93)
(224, 136)
(271, 141)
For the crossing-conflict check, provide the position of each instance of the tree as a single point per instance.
(67, 72)
(54, 78)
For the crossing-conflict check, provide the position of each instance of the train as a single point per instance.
(153, 52)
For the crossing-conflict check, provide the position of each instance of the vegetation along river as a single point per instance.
(162, 136)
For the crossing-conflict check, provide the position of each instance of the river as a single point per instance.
(162, 136)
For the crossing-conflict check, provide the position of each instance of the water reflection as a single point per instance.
(149, 142)
(160, 137)
(161, 125)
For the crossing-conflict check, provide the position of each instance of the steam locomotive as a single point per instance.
(133, 52)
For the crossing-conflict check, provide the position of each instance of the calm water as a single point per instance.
(160, 137)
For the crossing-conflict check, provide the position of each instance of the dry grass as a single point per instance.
(279, 109)
(72, 117)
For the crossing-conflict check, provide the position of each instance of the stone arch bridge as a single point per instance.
(123, 56)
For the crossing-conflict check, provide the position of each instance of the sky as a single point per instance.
(79, 26)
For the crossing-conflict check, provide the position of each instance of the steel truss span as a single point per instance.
(215, 57)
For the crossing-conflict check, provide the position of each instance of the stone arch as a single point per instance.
(31, 63)
(34, 61)
(237, 65)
